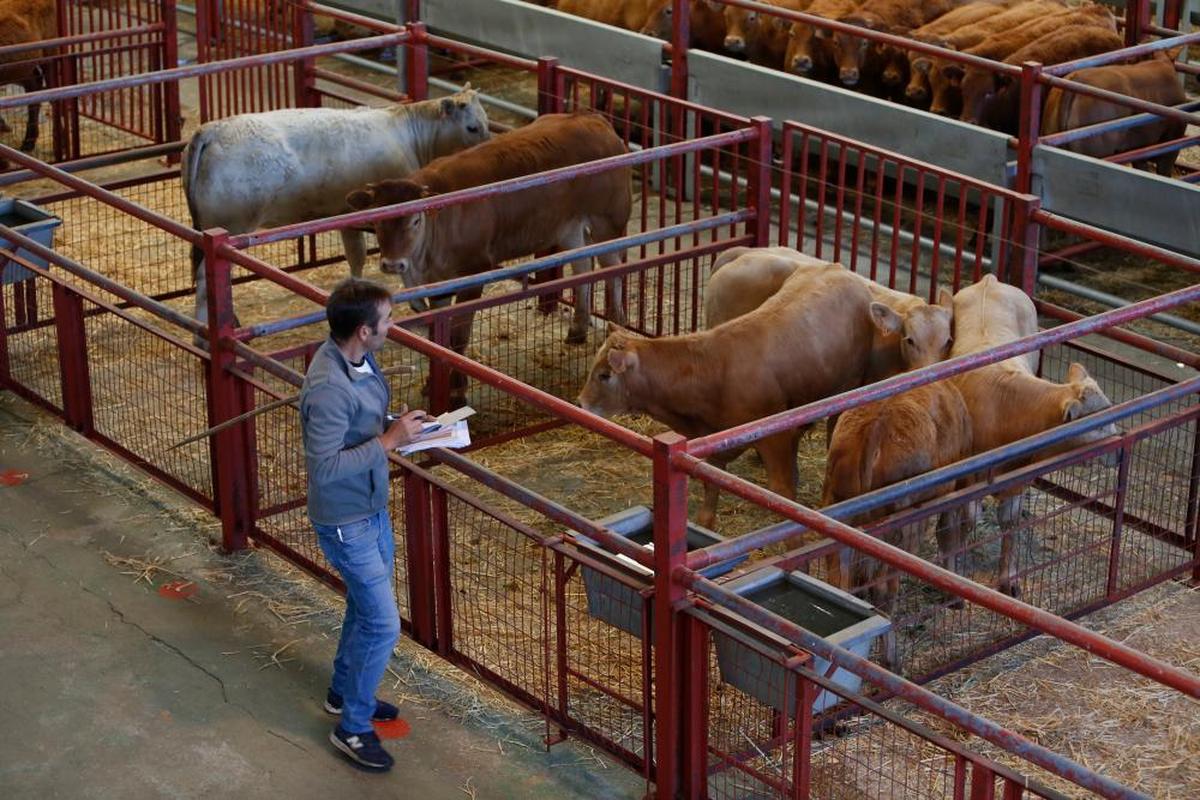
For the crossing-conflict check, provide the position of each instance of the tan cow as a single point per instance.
(911, 333)
(762, 38)
(883, 443)
(23, 21)
(936, 32)
(986, 96)
(813, 338)
(1008, 402)
(1154, 80)
(471, 238)
(706, 24)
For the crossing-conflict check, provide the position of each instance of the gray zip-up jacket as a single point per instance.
(341, 413)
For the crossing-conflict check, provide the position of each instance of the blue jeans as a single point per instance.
(363, 553)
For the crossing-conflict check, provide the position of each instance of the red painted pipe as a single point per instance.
(1124, 54)
(82, 38)
(370, 216)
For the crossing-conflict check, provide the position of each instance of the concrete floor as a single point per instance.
(112, 690)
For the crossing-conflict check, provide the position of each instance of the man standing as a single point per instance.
(343, 411)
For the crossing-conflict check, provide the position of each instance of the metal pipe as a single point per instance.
(723, 551)
(1170, 352)
(1115, 302)
(1120, 123)
(97, 162)
(1124, 54)
(749, 432)
(197, 70)
(81, 38)
(1151, 151)
(530, 394)
(571, 172)
(921, 697)
(96, 279)
(505, 273)
(1121, 99)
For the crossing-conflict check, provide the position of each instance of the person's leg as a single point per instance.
(368, 578)
(345, 645)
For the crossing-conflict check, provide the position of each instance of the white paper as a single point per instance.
(455, 436)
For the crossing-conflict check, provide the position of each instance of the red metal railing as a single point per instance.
(489, 588)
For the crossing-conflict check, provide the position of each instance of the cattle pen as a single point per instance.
(498, 542)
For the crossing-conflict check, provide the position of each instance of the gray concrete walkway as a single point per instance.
(111, 690)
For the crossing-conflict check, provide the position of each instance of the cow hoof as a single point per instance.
(577, 337)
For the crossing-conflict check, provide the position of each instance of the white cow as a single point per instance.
(280, 167)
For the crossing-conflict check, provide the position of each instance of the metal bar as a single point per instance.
(99, 161)
(698, 559)
(1123, 55)
(1151, 151)
(1112, 300)
(1108, 126)
(199, 70)
(1121, 99)
(361, 218)
(1005, 739)
(749, 432)
(1137, 340)
(529, 267)
(81, 38)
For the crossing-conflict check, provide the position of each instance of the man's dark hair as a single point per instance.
(354, 302)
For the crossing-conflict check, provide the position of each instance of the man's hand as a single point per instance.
(403, 430)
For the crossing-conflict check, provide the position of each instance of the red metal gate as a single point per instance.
(126, 37)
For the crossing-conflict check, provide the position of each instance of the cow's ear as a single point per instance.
(885, 319)
(1173, 54)
(622, 360)
(360, 199)
(1072, 408)
(921, 65)
(781, 23)
(822, 33)
(466, 88)
(1076, 373)
(952, 71)
(945, 298)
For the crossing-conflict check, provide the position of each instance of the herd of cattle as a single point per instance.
(1008, 31)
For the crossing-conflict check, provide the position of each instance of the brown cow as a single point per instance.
(24, 21)
(813, 338)
(988, 314)
(1154, 80)
(765, 37)
(706, 24)
(857, 57)
(471, 238)
(986, 96)
(944, 77)
(935, 32)
(883, 443)
(629, 14)
(807, 52)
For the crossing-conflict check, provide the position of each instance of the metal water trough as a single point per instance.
(34, 222)
(618, 603)
(752, 664)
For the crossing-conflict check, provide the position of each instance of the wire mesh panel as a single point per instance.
(903, 223)
(148, 393)
(29, 354)
(108, 121)
(233, 28)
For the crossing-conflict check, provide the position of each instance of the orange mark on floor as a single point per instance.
(177, 590)
(393, 729)
(13, 477)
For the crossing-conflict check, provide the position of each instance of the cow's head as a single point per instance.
(917, 90)
(895, 70)
(462, 122)
(1084, 397)
(739, 24)
(849, 50)
(945, 88)
(606, 391)
(804, 47)
(925, 333)
(402, 240)
(979, 88)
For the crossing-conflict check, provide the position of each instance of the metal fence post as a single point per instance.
(670, 552)
(1114, 553)
(760, 182)
(72, 359)
(681, 32)
(694, 699)
(983, 782)
(1022, 267)
(549, 101)
(418, 534)
(1136, 12)
(442, 588)
(304, 75)
(806, 695)
(416, 63)
(172, 114)
(1031, 124)
(231, 493)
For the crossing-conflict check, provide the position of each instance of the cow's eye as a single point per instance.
(605, 376)
(472, 129)
(908, 340)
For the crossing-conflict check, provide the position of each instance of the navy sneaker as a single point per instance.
(362, 748)
(384, 711)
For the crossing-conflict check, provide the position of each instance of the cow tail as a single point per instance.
(191, 169)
